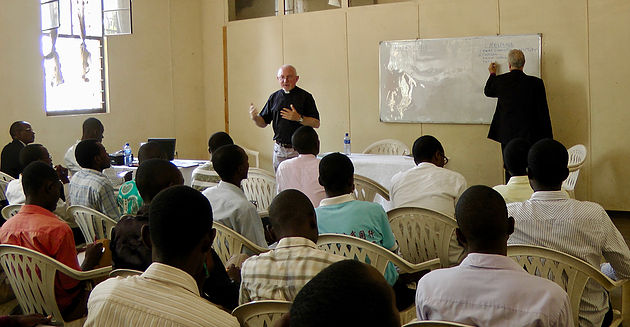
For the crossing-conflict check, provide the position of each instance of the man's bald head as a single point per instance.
(154, 175)
(483, 221)
(291, 213)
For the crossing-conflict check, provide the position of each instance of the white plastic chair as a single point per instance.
(571, 274)
(260, 186)
(388, 147)
(422, 234)
(366, 189)
(36, 292)
(261, 313)
(11, 210)
(4, 182)
(227, 243)
(435, 323)
(93, 224)
(577, 157)
(252, 153)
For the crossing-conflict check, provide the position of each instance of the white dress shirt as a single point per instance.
(517, 189)
(15, 195)
(70, 159)
(162, 296)
(579, 228)
(302, 174)
(428, 186)
(231, 208)
(491, 290)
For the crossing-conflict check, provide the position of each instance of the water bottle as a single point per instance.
(127, 153)
(346, 144)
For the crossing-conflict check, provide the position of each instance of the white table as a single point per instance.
(184, 165)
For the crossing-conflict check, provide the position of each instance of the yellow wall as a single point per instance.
(336, 53)
(156, 84)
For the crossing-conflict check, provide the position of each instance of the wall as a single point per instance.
(335, 52)
(155, 79)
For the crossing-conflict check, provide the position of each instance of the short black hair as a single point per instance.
(305, 139)
(35, 175)
(345, 293)
(482, 215)
(515, 156)
(15, 128)
(227, 159)
(425, 147)
(335, 171)
(153, 176)
(179, 217)
(151, 150)
(31, 152)
(85, 152)
(92, 125)
(218, 140)
(290, 209)
(547, 162)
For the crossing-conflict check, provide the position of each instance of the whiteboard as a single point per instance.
(442, 80)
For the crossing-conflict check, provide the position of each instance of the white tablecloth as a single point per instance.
(185, 166)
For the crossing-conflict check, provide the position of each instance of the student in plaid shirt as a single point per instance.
(204, 176)
(281, 273)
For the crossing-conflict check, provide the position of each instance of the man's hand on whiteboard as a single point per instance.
(493, 68)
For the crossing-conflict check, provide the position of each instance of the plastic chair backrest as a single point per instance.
(569, 183)
(577, 156)
(260, 186)
(435, 323)
(4, 177)
(569, 272)
(366, 189)
(388, 147)
(252, 153)
(93, 224)
(11, 210)
(367, 252)
(422, 234)
(227, 243)
(261, 313)
(124, 272)
(32, 278)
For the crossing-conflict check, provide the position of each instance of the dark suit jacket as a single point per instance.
(10, 159)
(521, 109)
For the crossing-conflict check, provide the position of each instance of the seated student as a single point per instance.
(341, 213)
(488, 288)
(130, 252)
(347, 293)
(230, 207)
(280, 273)
(129, 200)
(89, 187)
(92, 129)
(204, 176)
(22, 134)
(515, 159)
(428, 185)
(302, 173)
(28, 154)
(37, 228)
(167, 293)
(580, 228)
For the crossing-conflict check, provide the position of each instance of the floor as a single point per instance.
(621, 219)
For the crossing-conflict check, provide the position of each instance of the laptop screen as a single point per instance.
(168, 146)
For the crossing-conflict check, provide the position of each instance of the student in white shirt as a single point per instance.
(92, 129)
(580, 228)
(517, 188)
(230, 207)
(488, 288)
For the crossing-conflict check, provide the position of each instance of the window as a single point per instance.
(72, 47)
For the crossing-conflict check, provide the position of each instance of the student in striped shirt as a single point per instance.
(204, 176)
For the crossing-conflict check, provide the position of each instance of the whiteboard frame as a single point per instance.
(380, 43)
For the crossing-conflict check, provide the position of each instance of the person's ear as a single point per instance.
(207, 241)
(319, 179)
(565, 173)
(146, 236)
(272, 234)
(510, 225)
(461, 239)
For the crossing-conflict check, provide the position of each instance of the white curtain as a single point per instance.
(86, 57)
(57, 77)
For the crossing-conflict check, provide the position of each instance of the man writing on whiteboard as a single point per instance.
(522, 104)
(287, 109)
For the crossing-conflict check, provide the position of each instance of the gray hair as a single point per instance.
(287, 66)
(516, 58)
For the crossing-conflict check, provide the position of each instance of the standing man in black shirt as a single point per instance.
(287, 109)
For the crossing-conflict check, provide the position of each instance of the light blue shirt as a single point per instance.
(92, 189)
(367, 220)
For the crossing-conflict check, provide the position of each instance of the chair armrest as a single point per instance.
(85, 275)
(408, 267)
